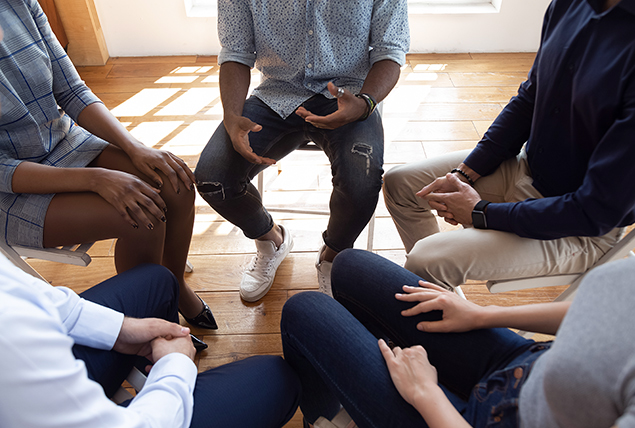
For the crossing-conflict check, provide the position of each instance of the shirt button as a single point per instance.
(308, 84)
(310, 32)
(310, 65)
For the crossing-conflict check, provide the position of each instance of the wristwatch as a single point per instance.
(479, 220)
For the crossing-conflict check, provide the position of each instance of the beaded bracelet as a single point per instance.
(464, 174)
(371, 104)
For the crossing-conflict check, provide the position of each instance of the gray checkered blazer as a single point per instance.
(41, 96)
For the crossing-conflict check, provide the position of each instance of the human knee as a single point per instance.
(279, 373)
(298, 307)
(396, 188)
(359, 168)
(216, 192)
(434, 263)
(162, 279)
(346, 263)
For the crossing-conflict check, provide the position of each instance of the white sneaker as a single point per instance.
(324, 273)
(258, 277)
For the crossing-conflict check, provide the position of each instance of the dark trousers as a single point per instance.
(332, 345)
(259, 391)
(355, 150)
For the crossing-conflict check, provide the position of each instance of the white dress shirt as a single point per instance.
(42, 384)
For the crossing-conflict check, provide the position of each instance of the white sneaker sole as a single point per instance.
(248, 297)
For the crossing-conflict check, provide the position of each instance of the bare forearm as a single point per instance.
(234, 82)
(540, 318)
(381, 78)
(31, 177)
(438, 412)
(98, 120)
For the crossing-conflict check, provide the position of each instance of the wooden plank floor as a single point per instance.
(442, 103)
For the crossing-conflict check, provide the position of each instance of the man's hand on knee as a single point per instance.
(238, 128)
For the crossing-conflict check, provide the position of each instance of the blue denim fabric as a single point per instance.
(332, 345)
(494, 400)
(356, 153)
(259, 391)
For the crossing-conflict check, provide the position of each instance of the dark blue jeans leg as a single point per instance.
(224, 177)
(365, 284)
(142, 292)
(356, 153)
(260, 391)
(338, 361)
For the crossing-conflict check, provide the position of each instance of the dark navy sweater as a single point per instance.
(576, 113)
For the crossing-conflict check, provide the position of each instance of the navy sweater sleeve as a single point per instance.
(577, 113)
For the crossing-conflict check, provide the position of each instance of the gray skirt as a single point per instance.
(22, 214)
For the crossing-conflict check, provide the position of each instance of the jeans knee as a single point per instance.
(211, 191)
(297, 309)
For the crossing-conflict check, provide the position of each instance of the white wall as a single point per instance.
(160, 27)
(516, 28)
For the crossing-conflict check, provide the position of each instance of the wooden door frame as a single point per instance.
(86, 42)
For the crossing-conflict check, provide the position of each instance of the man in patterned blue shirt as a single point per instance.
(325, 66)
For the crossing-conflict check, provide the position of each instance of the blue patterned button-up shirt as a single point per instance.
(299, 46)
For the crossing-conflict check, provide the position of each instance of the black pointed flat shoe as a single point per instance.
(199, 345)
(204, 320)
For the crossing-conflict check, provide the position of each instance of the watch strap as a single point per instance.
(479, 219)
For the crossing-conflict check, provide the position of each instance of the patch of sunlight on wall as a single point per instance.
(144, 101)
(151, 133)
(191, 102)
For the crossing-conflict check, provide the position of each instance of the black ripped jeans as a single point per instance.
(355, 150)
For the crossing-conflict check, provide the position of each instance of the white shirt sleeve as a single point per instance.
(87, 323)
(49, 388)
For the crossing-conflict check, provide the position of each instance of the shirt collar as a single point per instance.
(628, 5)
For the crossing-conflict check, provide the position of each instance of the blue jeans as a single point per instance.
(259, 391)
(332, 345)
(356, 153)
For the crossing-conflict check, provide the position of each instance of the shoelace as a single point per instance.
(254, 262)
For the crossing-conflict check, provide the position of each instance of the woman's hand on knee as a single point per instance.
(132, 197)
(459, 314)
(148, 160)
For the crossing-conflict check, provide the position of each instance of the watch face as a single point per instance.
(478, 220)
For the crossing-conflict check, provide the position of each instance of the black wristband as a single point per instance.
(464, 174)
(479, 218)
(371, 104)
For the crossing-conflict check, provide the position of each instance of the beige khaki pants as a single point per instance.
(450, 258)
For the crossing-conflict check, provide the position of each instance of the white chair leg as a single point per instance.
(458, 290)
(371, 233)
